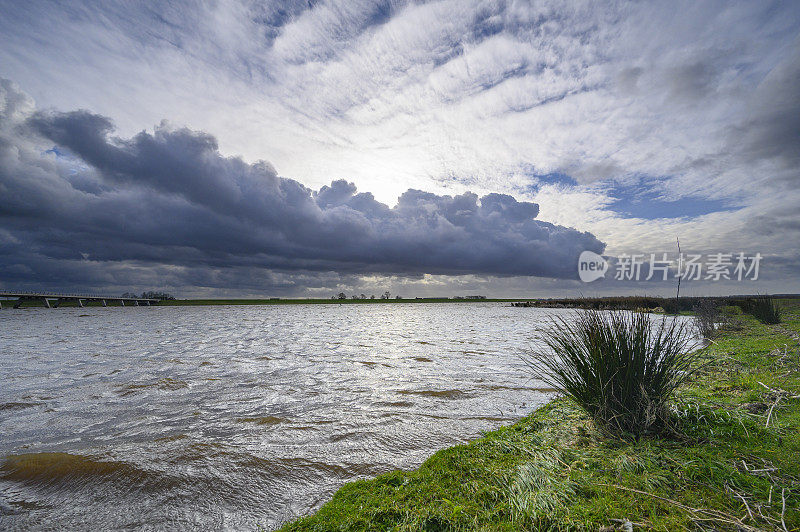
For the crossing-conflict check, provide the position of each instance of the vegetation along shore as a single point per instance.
(651, 303)
(727, 460)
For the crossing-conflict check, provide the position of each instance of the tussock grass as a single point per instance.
(706, 318)
(766, 310)
(621, 367)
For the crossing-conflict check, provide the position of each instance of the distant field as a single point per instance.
(628, 302)
(181, 302)
(198, 302)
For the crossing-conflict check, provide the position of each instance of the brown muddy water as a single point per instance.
(235, 417)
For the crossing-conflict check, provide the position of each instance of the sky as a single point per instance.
(252, 149)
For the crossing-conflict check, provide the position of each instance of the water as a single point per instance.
(232, 417)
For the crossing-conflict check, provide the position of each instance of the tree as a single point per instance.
(156, 295)
(342, 295)
(363, 296)
(386, 295)
(354, 296)
(372, 296)
(398, 297)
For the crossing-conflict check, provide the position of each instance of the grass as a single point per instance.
(620, 367)
(707, 316)
(669, 305)
(326, 301)
(204, 302)
(685, 304)
(735, 466)
(766, 310)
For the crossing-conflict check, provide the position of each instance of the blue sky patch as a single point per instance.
(552, 178)
(632, 202)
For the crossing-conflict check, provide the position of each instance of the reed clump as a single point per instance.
(766, 310)
(620, 367)
(707, 317)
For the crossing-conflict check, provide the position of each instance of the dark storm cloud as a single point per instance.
(77, 201)
(772, 129)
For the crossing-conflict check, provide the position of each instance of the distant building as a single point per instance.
(475, 297)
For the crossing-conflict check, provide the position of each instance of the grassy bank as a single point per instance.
(732, 465)
(617, 302)
(203, 302)
(660, 304)
(328, 301)
(8, 303)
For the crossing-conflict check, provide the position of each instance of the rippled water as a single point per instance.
(230, 417)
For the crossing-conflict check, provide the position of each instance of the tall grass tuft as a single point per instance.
(707, 316)
(620, 367)
(766, 310)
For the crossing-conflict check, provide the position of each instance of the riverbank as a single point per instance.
(731, 465)
(327, 301)
(8, 303)
(659, 304)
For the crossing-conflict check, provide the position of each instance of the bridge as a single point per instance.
(78, 298)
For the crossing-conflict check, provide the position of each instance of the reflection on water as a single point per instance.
(234, 417)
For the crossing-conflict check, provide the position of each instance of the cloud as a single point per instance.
(76, 194)
(687, 103)
(447, 95)
(770, 130)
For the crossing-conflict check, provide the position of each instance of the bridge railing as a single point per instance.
(29, 293)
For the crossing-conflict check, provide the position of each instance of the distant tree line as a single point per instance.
(149, 295)
(388, 295)
(385, 295)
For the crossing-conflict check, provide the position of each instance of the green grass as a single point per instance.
(766, 310)
(553, 470)
(620, 367)
(631, 303)
(203, 302)
(328, 301)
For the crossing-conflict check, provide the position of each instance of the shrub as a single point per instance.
(620, 367)
(766, 310)
(671, 306)
(706, 317)
(732, 318)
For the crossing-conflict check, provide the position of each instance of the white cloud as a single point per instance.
(691, 99)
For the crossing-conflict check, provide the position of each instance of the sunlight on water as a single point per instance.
(239, 416)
